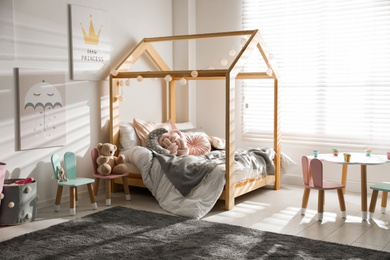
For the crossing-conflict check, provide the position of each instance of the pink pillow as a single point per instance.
(143, 128)
(198, 144)
(175, 142)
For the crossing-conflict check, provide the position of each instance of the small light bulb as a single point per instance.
(232, 52)
(121, 83)
(243, 41)
(183, 81)
(224, 62)
(114, 73)
(269, 72)
(168, 78)
(194, 73)
(127, 82)
(140, 78)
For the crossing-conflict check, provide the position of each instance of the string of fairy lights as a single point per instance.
(223, 61)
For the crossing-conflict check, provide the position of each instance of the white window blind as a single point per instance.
(334, 58)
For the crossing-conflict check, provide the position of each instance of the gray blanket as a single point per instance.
(186, 172)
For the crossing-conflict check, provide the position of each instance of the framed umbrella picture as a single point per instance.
(42, 113)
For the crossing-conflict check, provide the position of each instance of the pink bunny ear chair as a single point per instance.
(313, 179)
(108, 178)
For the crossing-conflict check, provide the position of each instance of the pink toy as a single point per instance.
(25, 181)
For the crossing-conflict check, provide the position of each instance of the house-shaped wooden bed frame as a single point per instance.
(230, 74)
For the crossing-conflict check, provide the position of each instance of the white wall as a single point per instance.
(42, 42)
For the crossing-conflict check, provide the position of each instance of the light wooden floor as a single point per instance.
(265, 209)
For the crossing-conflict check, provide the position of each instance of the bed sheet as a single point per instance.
(195, 205)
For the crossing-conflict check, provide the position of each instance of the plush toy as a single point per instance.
(61, 174)
(107, 162)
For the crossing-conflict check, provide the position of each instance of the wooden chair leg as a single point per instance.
(126, 188)
(305, 200)
(384, 201)
(73, 194)
(58, 198)
(92, 196)
(97, 180)
(76, 196)
(374, 196)
(344, 176)
(340, 194)
(321, 194)
(108, 192)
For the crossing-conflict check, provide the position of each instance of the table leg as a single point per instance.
(364, 190)
(344, 176)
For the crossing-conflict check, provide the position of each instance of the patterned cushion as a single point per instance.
(152, 141)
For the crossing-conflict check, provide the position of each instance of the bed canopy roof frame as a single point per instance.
(230, 74)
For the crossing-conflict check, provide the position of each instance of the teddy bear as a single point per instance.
(109, 163)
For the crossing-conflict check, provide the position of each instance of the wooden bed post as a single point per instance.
(277, 135)
(230, 142)
(114, 113)
(172, 100)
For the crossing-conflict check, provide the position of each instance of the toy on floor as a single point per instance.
(18, 201)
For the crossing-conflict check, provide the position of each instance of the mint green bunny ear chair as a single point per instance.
(72, 181)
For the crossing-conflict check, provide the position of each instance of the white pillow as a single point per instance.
(127, 136)
(185, 125)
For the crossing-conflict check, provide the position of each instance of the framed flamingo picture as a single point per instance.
(42, 113)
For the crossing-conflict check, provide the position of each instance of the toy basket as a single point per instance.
(19, 203)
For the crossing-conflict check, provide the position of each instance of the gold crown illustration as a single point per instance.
(91, 38)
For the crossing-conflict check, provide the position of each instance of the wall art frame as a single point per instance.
(42, 108)
(90, 43)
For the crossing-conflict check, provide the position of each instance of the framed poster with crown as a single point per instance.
(90, 50)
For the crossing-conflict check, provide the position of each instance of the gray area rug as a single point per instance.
(124, 233)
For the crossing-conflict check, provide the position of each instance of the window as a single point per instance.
(334, 58)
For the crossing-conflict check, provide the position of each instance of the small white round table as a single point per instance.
(356, 159)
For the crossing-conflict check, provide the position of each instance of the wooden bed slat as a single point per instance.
(246, 186)
(199, 36)
(202, 75)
